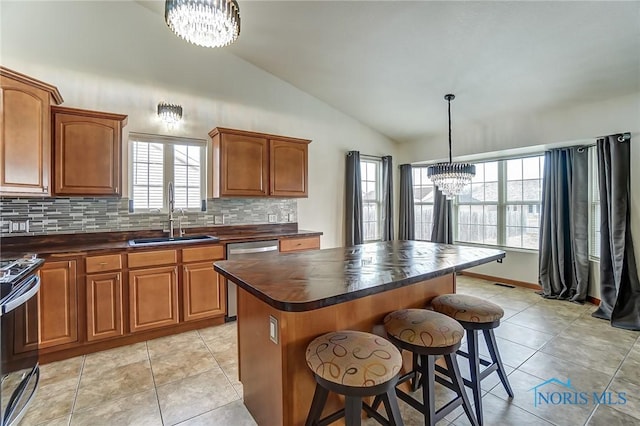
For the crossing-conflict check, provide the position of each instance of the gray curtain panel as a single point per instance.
(387, 198)
(353, 203)
(442, 231)
(407, 228)
(564, 225)
(619, 285)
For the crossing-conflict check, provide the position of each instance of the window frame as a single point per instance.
(594, 206)
(378, 201)
(421, 204)
(502, 204)
(168, 168)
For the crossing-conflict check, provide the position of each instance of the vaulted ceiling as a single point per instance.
(386, 63)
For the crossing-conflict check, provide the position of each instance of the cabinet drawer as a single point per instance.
(152, 258)
(298, 244)
(198, 254)
(108, 262)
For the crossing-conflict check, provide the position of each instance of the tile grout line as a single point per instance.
(155, 387)
(611, 381)
(75, 397)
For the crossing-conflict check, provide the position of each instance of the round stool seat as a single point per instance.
(353, 358)
(420, 327)
(467, 308)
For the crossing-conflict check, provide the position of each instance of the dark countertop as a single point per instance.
(310, 280)
(94, 243)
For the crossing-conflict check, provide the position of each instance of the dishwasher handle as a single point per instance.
(252, 250)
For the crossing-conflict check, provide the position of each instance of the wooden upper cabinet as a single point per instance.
(25, 134)
(288, 168)
(254, 164)
(87, 152)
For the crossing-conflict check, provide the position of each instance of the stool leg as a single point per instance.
(456, 379)
(415, 381)
(474, 366)
(492, 345)
(352, 410)
(393, 410)
(428, 386)
(317, 405)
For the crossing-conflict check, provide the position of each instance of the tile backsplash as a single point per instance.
(74, 215)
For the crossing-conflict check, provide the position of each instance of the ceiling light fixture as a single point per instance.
(207, 23)
(451, 177)
(169, 113)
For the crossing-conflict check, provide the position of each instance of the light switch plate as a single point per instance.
(218, 219)
(273, 329)
(273, 218)
(18, 226)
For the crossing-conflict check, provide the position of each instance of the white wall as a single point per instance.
(514, 133)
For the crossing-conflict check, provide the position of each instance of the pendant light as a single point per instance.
(451, 178)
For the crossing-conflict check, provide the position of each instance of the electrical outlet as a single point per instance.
(18, 226)
(273, 329)
(218, 219)
(273, 218)
(290, 217)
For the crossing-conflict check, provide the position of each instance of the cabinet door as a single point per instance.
(58, 303)
(243, 165)
(104, 306)
(288, 168)
(25, 152)
(153, 298)
(203, 292)
(86, 155)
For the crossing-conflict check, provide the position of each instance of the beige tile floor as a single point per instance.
(191, 378)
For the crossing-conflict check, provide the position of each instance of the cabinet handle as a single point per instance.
(45, 189)
(103, 263)
(184, 268)
(118, 277)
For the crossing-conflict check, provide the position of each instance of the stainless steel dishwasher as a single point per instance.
(242, 251)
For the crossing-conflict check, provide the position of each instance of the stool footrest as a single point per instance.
(331, 418)
(439, 414)
(481, 360)
(375, 415)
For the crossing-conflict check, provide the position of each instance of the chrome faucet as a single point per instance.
(170, 197)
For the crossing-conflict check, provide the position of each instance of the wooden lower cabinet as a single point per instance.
(58, 303)
(153, 298)
(104, 306)
(203, 291)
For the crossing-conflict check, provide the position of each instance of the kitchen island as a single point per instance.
(286, 300)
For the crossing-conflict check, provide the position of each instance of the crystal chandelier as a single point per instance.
(207, 23)
(169, 113)
(450, 178)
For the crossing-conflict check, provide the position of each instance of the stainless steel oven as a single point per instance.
(19, 370)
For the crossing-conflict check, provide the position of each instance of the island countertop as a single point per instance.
(297, 282)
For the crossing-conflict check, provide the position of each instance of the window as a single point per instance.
(501, 206)
(371, 178)
(524, 192)
(478, 207)
(594, 237)
(423, 191)
(158, 160)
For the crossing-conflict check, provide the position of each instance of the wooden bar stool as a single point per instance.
(354, 364)
(475, 314)
(429, 334)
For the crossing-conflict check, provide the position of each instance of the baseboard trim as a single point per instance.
(590, 299)
(593, 300)
(502, 280)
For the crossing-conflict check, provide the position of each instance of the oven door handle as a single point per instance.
(26, 292)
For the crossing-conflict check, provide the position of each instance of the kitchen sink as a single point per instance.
(175, 240)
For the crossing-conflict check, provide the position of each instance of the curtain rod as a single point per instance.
(623, 137)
